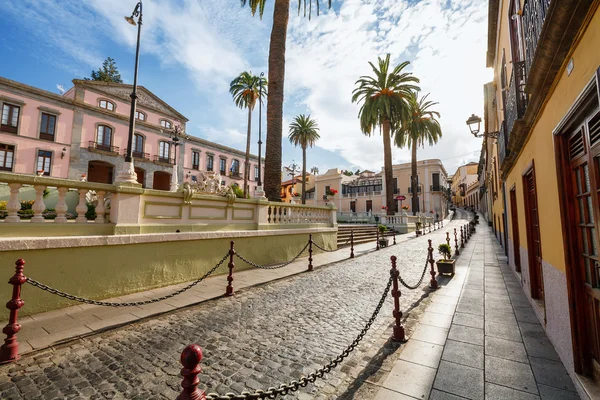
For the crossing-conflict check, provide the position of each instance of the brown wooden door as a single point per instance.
(353, 206)
(514, 219)
(585, 169)
(534, 243)
(369, 205)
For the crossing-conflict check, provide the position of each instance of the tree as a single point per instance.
(348, 173)
(281, 14)
(108, 73)
(303, 132)
(357, 172)
(384, 99)
(246, 90)
(420, 125)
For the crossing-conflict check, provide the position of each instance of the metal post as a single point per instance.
(229, 290)
(394, 233)
(462, 239)
(448, 239)
(456, 252)
(433, 284)
(190, 359)
(352, 244)
(9, 351)
(262, 74)
(377, 229)
(398, 334)
(310, 242)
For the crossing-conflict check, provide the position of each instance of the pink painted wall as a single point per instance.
(27, 141)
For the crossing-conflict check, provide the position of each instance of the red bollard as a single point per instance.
(377, 229)
(433, 284)
(398, 335)
(456, 252)
(462, 240)
(310, 242)
(190, 359)
(229, 290)
(394, 233)
(351, 244)
(448, 239)
(9, 351)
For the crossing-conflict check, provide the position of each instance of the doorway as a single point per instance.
(162, 180)
(369, 205)
(141, 176)
(534, 243)
(353, 206)
(514, 220)
(100, 172)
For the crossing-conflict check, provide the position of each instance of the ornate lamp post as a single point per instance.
(259, 190)
(176, 134)
(474, 123)
(128, 174)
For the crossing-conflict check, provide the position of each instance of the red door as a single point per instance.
(514, 218)
(534, 243)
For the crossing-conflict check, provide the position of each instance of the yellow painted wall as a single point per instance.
(540, 147)
(101, 272)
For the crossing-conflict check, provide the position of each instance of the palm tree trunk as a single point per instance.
(247, 161)
(413, 181)
(387, 167)
(303, 174)
(275, 100)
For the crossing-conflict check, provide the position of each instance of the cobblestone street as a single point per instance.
(258, 338)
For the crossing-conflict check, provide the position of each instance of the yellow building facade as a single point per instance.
(541, 167)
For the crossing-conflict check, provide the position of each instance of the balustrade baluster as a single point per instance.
(100, 208)
(61, 206)
(13, 206)
(38, 206)
(81, 207)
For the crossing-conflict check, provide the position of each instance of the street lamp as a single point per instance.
(259, 190)
(474, 123)
(128, 173)
(175, 136)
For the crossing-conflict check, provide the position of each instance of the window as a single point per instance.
(140, 116)
(47, 126)
(10, 118)
(195, 160)
(107, 105)
(166, 124)
(138, 145)
(104, 137)
(209, 162)
(7, 154)
(43, 161)
(164, 150)
(256, 174)
(223, 165)
(235, 166)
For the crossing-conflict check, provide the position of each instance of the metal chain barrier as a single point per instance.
(343, 244)
(135, 303)
(272, 266)
(319, 247)
(406, 285)
(293, 386)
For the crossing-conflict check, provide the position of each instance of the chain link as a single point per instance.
(328, 251)
(406, 285)
(135, 303)
(293, 386)
(244, 259)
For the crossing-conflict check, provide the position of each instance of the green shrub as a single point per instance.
(27, 204)
(239, 193)
(3, 205)
(91, 212)
(26, 214)
(382, 229)
(445, 250)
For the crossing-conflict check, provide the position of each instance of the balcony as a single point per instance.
(516, 103)
(435, 188)
(138, 155)
(236, 175)
(99, 147)
(534, 15)
(164, 160)
(418, 189)
(502, 143)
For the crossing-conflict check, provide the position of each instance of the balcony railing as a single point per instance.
(138, 154)
(164, 160)
(534, 14)
(502, 142)
(93, 145)
(418, 189)
(516, 102)
(235, 175)
(435, 188)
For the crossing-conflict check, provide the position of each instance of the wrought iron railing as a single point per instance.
(435, 188)
(516, 102)
(93, 145)
(534, 14)
(418, 189)
(138, 154)
(164, 160)
(502, 142)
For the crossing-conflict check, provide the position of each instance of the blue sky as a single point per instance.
(192, 49)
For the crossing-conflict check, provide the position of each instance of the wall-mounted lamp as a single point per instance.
(64, 153)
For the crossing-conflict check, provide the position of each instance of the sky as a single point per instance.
(192, 49)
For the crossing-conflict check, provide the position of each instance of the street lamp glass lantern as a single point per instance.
(474, 123)
(130, 20)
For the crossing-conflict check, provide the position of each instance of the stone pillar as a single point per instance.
(81, 208)
(332, 215)
(39, 206)
(61, 206)
(125, 206)
(100, 208)
(13, 206)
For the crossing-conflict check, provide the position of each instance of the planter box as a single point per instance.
(445, 266)
(383, 242)
(418, 233)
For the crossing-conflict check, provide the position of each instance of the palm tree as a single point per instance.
(281, 12)
(303, 132)
(384, 99)
(419, 126)
(245, 90)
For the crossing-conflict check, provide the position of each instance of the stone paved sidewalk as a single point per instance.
(479, 339)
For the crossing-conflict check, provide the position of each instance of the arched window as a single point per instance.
(235, 166)
(164, 151)
(166, 124)
(104, 137)
(138, 145)
(140, 116)
(108, 105)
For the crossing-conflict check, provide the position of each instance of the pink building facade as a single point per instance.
(83, 135)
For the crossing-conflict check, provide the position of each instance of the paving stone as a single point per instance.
(422, 353)
(464, 353)
(540, 347)
(509, 373)
(503, 331)
(551, 373)
(466, 334)
(430, 334)
(474, 321)
(410, 379)
(439, 395)
(460, 380)
(552, 393)
(503, 348)
(496, 392)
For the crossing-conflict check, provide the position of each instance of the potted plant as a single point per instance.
(330, 193)
(383, 241)
(445, 266)
(418, 226)
(40, 172)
